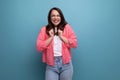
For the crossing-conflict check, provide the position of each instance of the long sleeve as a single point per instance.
(41, 40)
(71, 37)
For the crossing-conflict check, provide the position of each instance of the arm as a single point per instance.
(42, 41)
(64, 39)
(50, 38)
(69, 39)
(40, 45)
(48, 41)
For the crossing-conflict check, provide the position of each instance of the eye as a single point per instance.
(58, 15)
(52, 15)
(55, 15)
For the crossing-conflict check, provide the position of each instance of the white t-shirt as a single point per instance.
(57, 46)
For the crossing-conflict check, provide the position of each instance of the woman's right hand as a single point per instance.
(51, 32)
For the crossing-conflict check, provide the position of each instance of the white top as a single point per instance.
(57, 46)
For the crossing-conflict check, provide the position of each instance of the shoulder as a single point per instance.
(43, 28)
(67, 26)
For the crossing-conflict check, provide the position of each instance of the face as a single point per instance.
(55, 17)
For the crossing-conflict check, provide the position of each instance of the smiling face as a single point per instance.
(55, 17)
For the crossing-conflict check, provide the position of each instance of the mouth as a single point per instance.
(56, 21)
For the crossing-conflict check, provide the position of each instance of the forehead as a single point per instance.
(54, 12)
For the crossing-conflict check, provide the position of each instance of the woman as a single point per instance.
(55, 41)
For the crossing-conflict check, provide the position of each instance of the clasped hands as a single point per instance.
(64, 39)
(51, 32)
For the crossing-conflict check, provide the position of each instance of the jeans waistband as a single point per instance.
(57, 56)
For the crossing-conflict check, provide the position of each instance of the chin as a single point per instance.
(56, 24)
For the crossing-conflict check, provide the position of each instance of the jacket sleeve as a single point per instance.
(41, 40)
(71, 37)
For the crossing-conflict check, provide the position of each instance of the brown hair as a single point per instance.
(50, 25)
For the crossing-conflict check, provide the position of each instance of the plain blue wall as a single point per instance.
(95, 22)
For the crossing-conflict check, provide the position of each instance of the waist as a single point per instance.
(57, 57)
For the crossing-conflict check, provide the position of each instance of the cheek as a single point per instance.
(59, 19)
(51, 19)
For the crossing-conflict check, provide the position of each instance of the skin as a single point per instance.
(56, 19)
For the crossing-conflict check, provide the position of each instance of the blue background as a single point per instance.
(95, 22)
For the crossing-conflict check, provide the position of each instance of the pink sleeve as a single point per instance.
(71, 37)
(41, 40)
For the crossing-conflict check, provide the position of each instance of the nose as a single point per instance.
(56, 17)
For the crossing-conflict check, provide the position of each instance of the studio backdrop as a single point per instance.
(95, 22)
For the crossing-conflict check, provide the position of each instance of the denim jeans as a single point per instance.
(59, 71)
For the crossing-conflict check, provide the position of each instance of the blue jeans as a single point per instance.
(59, 71)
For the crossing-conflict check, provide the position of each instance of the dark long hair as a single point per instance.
(50, 25)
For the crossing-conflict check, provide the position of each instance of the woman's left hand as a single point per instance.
(60, 32)
(64, 39)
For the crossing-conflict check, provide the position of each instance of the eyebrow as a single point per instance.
(55, 15)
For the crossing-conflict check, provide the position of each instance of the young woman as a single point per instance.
(54, 41)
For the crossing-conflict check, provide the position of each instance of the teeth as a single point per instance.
(55, 21)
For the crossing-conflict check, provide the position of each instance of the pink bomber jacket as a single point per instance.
(47, 51)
